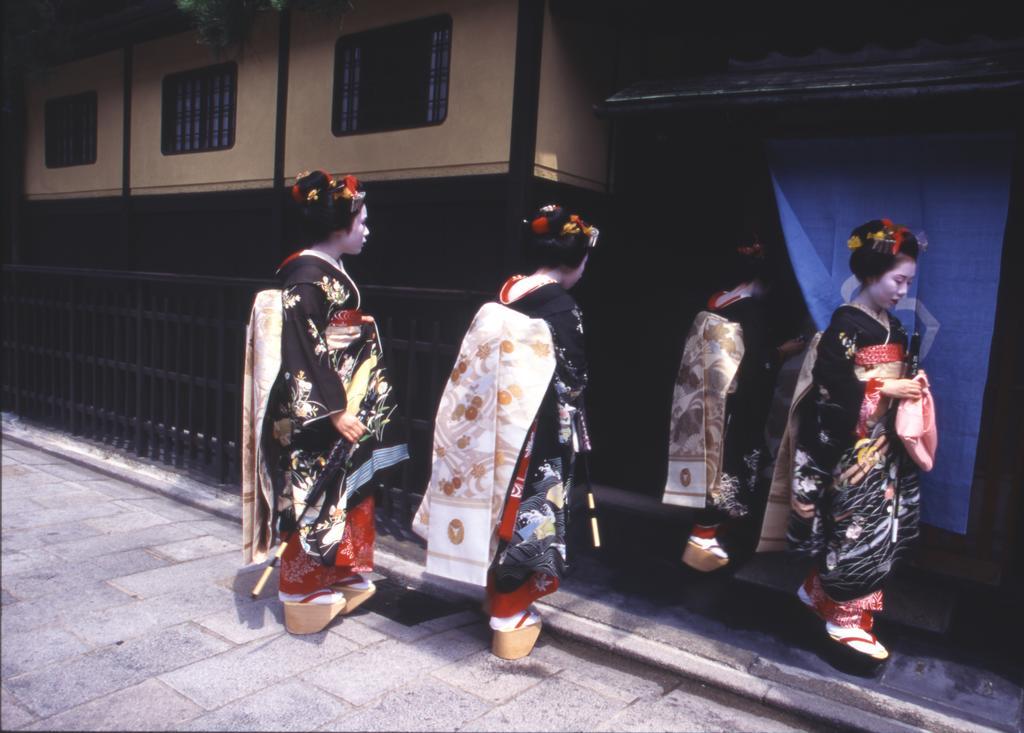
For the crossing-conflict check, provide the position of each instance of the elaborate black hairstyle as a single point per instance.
(747, 260)
(325, 203)
(558, 238)
(876, 245)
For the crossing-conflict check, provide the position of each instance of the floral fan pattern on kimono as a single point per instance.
(711, 358)
(502, 373)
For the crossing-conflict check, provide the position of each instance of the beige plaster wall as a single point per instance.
(250, 162)
(102, 74)
(473, 139)
(576, 72)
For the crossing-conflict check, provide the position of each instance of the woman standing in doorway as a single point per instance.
(717, 451)
(854, 500)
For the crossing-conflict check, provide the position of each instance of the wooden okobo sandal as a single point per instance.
(704, 555)
(516, 641)
(356, 591)
(312, 613)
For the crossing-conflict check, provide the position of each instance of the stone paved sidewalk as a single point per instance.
(126, 610)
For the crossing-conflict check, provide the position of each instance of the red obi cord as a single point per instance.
(880, 354)
(348, 317)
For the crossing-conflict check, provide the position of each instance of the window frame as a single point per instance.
(440, 21)
(201, 74)
(48, 120)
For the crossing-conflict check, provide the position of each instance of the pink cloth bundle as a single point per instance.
(915, 424)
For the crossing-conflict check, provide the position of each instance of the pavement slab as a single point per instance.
(27, 651)
(57, 576)
(127, 520)
(556, 704)
(684, 711)
(244, 670)
(354, 630)
(246, 620)
(12, 713)
(497, 680)
(26, 561)
(54, 606)
(149, 615)
(31, 457)
(287, 706)
(425, 705)
(118, 541)
(103, 671)
(195, 548)
(48, 537)
(180, 575)
(71, 472)
(164, 507)
(150, 705)
(628, 681)
(65, 515)
(372, 671)
(68, 495)
(113, 488)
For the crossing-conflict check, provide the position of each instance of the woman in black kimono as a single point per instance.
(332, 385)
(739, 491)
(855, 499)
(532, 561)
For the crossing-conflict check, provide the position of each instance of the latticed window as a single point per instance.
(70, 130)
(199, 110)
(392, 78)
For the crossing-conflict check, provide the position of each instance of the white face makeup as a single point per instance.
(351, 242)
(888, 290)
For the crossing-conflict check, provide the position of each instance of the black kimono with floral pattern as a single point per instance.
(560, 433)
(856, 526)
(331, 362)
(742, 490)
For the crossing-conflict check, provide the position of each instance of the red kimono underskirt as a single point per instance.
(302, 573)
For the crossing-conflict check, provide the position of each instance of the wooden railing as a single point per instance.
(151, 363)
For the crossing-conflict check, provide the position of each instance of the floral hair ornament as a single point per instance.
(753, 250)
(313, 194)
(576, 225)
(540, 225)
(349, 189)
(854, 242)
(297, 190)
(889, 238)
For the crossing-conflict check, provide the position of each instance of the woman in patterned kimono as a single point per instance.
(332, 385)
(531, 557)
(507, 432)
(855, 501)
(739, 489)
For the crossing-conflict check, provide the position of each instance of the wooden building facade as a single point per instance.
(648, 117)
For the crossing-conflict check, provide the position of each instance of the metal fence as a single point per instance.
(152, 363)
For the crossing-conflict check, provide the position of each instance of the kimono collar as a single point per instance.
(334, 263)
(326, 258)
(519, 286)
(728, 297)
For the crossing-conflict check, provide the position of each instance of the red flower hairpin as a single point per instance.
(540, 225)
